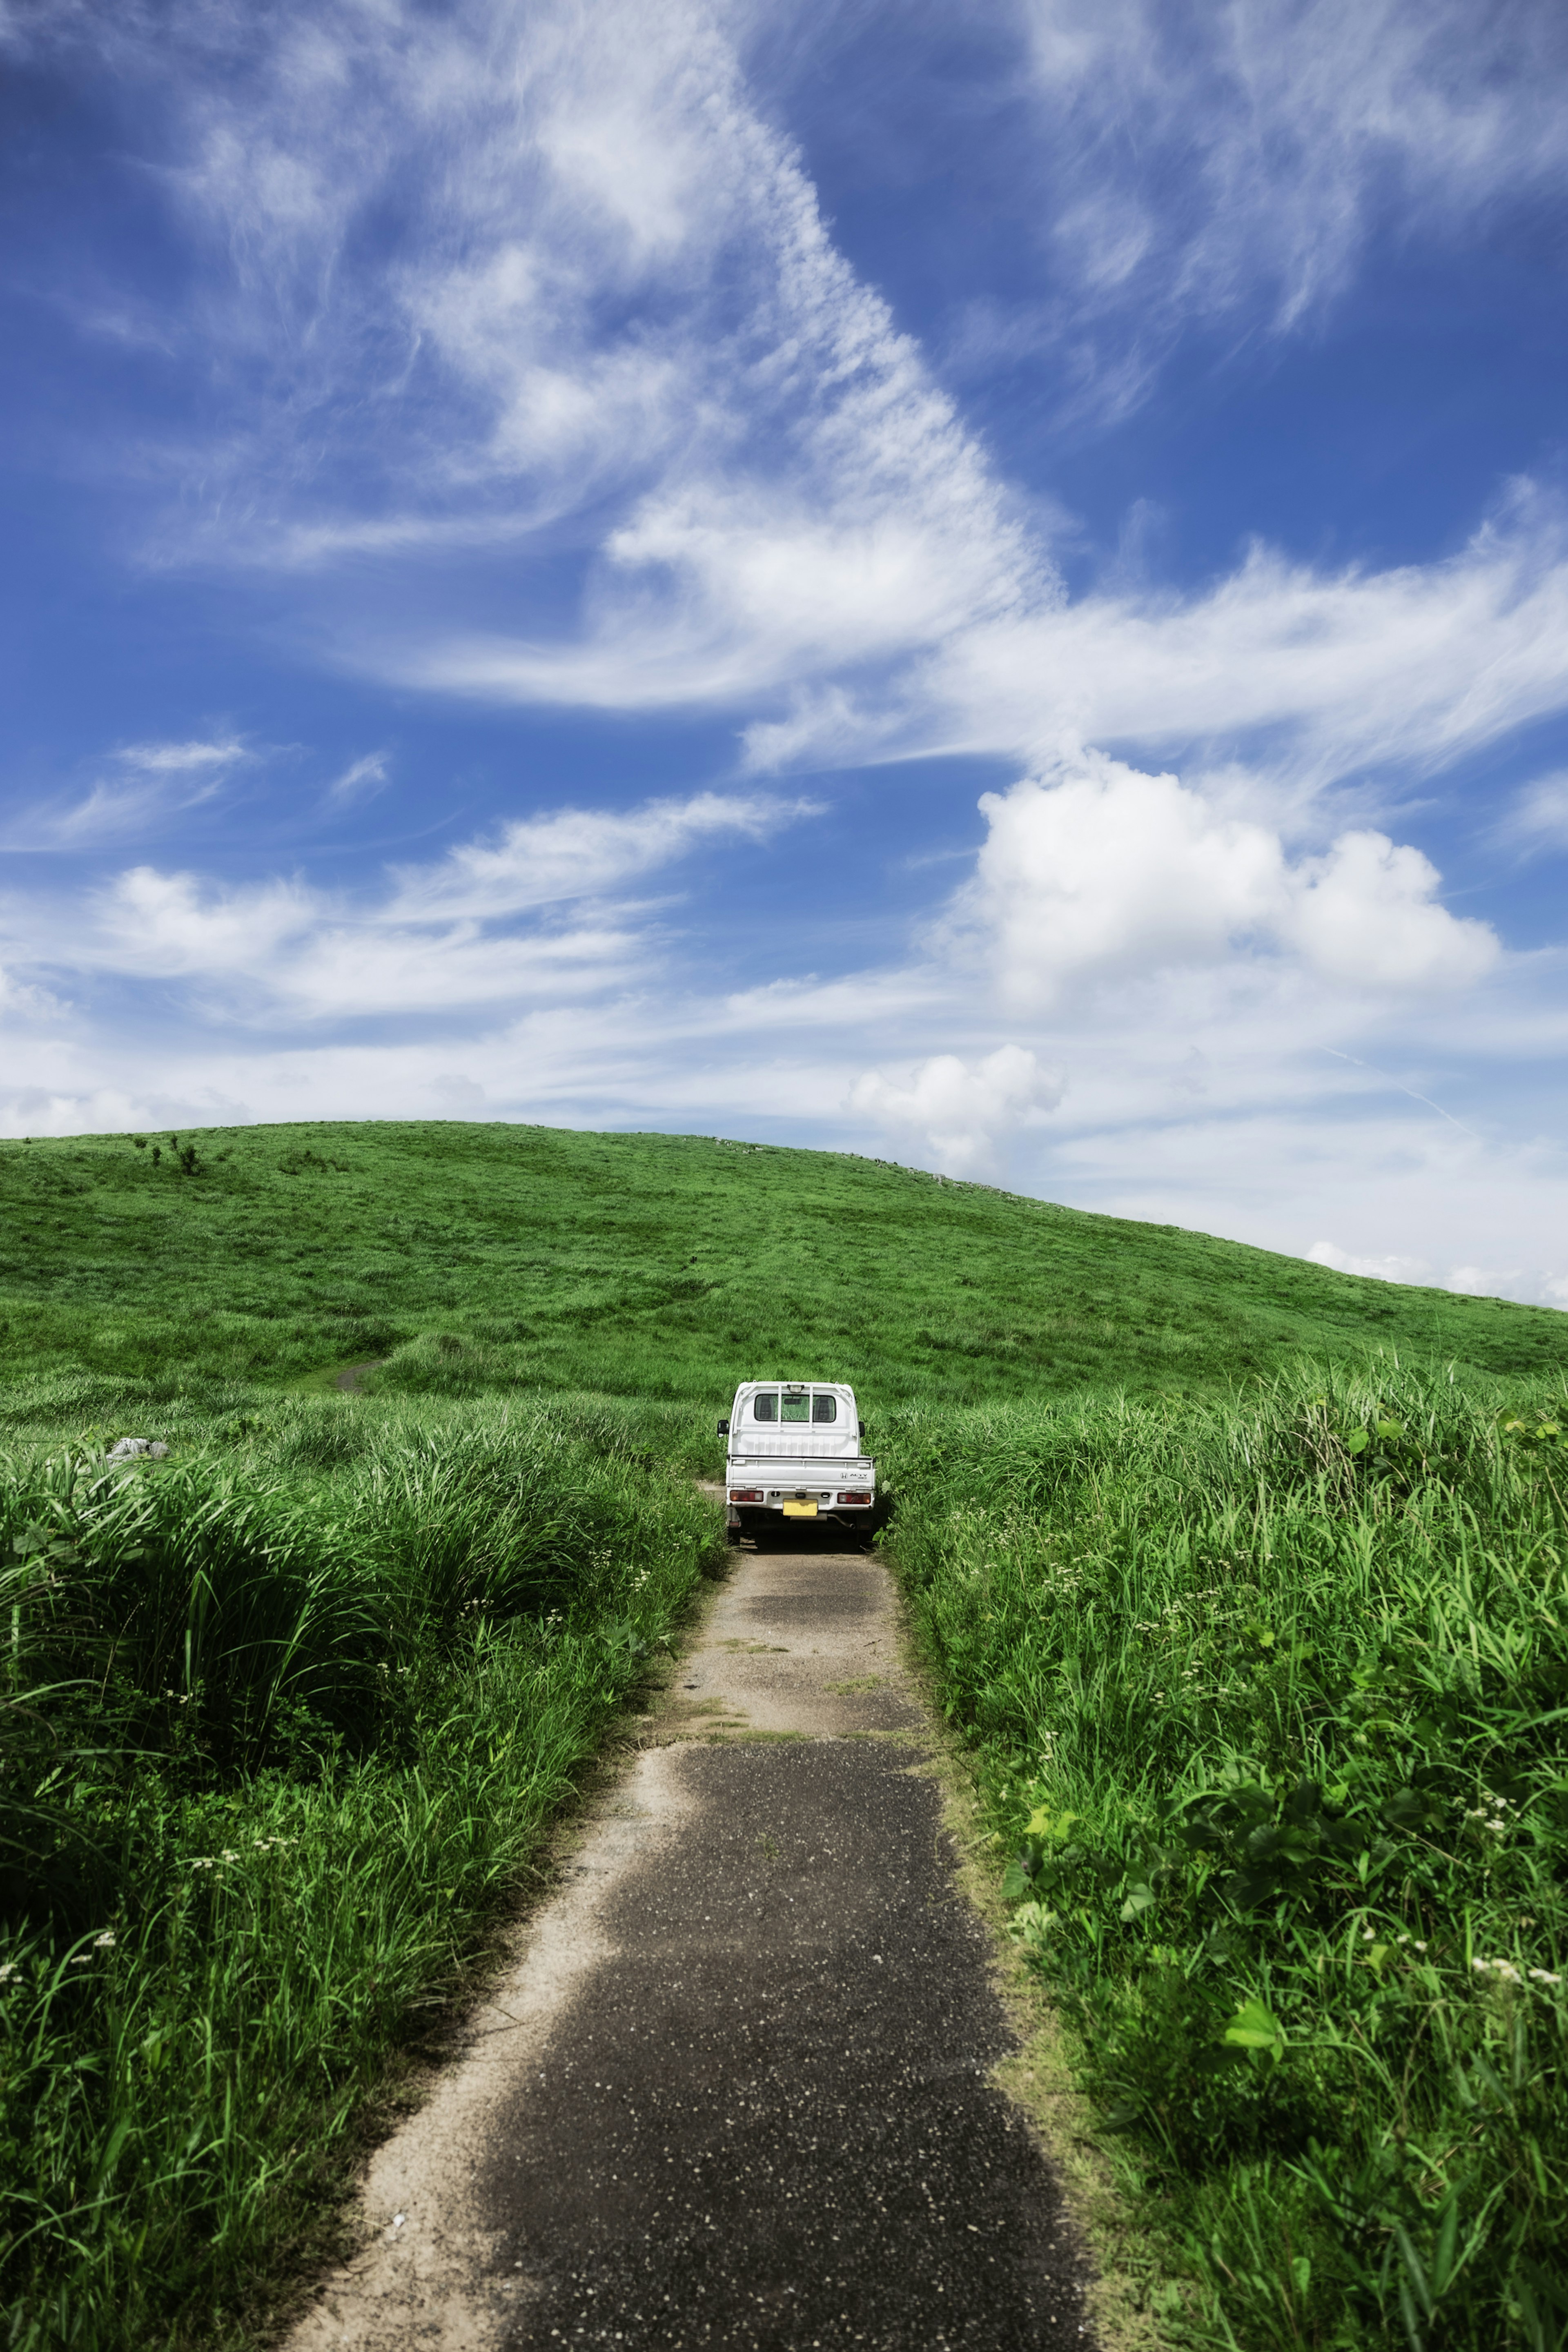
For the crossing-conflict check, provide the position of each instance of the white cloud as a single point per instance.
(486, 281)
(435, 940)
(1200, 161)
(182, 759)
(1389, 1268)
(582, 853)
(360, 781)
(612, 315)
(1408, 667)
(146, 784)
(1528, 1286)
(18, 1002)
(613, 324)
(1366, 914)
(1103, 872)
(1540, 814)
(962, 1113)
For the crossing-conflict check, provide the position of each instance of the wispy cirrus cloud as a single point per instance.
(1231, 165)
(1538, 816)
(614, 332)
(360, 781)
(1326, 673)
(137, 789)
(545, 381)
(574, 854)
(527, 914)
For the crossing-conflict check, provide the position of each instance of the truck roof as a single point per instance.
(777, 1381)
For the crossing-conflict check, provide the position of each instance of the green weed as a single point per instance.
(274, 1741)
(1268, 1700)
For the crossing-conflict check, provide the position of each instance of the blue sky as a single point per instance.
(987, 586)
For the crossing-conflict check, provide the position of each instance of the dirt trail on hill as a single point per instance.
(735, 2090)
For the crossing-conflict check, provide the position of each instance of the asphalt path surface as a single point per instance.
(736, 2089)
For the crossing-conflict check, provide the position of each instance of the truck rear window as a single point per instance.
(768, 1405)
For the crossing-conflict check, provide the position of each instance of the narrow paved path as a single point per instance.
(735, 2091)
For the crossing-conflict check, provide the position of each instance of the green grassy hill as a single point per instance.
(1262, 1690)
(475, 1258)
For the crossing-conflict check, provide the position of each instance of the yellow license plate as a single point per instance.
(800, 1510)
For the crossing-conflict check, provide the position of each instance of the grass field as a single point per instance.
(479, 1258)
(1267, 1702)
(285, 1719)
(1261, 1669)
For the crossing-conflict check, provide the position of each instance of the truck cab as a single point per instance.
(797, 1451)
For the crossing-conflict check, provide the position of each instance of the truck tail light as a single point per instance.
(854, 1498)
(745, 1493)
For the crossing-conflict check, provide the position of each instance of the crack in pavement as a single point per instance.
(736, 2089)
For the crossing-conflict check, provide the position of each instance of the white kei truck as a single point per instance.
(795, 1452)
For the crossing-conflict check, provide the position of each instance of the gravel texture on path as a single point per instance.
(736, 2089)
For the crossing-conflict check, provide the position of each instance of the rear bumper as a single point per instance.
(777, 1498)
(771, 1513)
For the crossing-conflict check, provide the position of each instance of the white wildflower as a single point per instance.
(8, 1969)
(1544, 1976)
(104, 1943)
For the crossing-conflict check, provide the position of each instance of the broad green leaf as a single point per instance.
(1254, 2028)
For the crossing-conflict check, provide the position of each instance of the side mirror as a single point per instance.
(723, 1429)
(861, 1429)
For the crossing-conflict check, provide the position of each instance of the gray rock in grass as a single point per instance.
(128, 1448)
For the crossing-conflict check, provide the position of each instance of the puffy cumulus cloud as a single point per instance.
(19, 1001)
(1366, 915)
(1107, 872)
(1390, 1267)
(963, 1114)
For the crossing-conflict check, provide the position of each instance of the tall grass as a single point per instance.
(277, 1732)
(1267, 1702)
